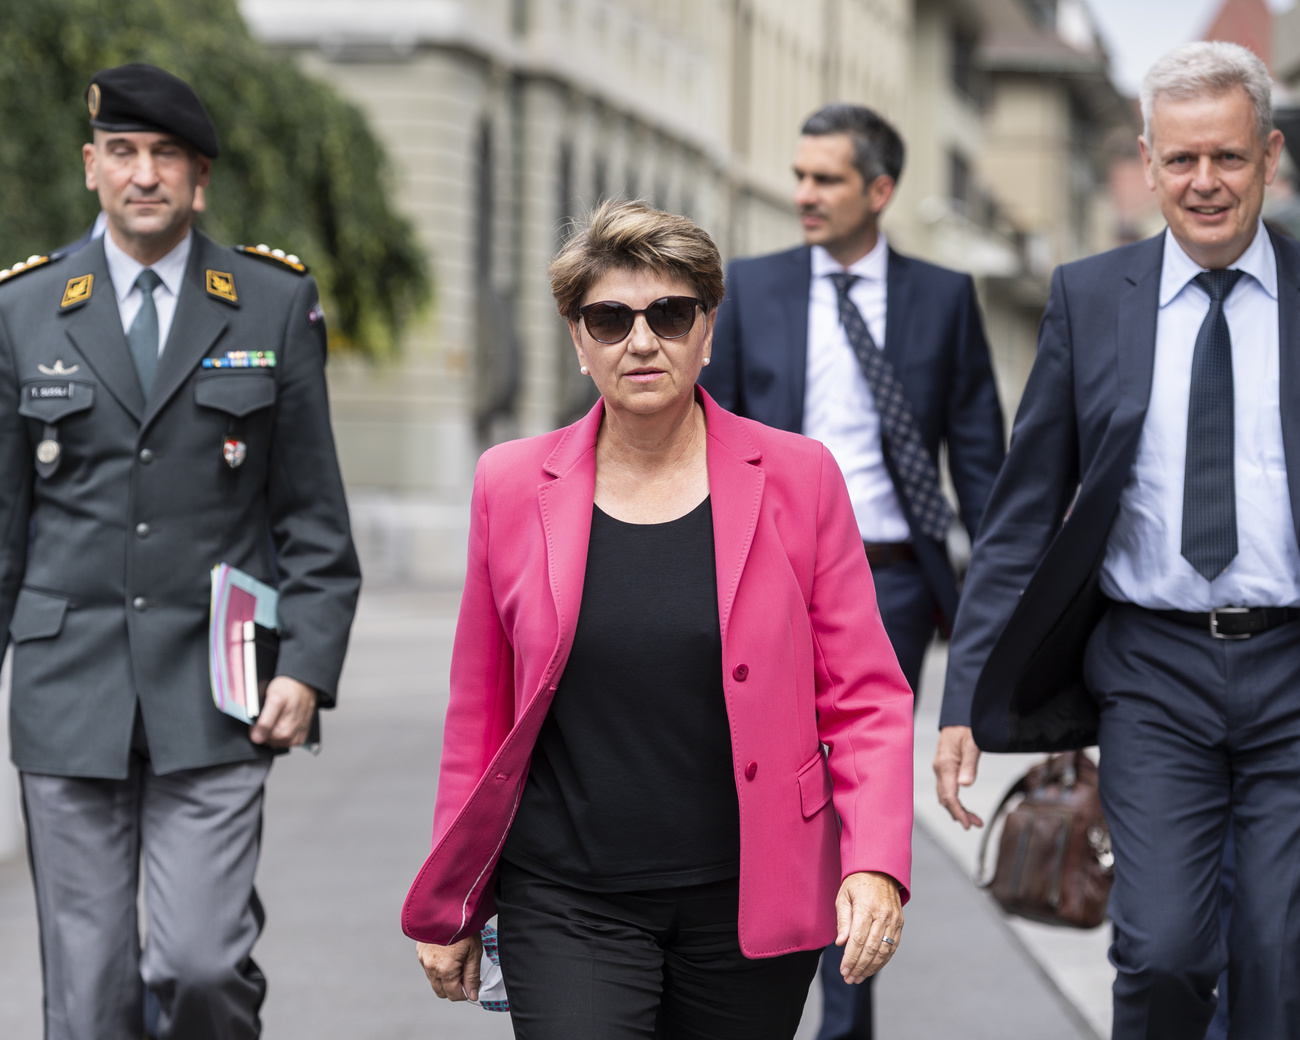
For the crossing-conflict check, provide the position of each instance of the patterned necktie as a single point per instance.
(1209, 488)
(902, 440)
(143, 335)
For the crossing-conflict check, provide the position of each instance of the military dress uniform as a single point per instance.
(115, 504)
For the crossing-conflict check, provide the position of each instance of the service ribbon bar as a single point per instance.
(242, 359)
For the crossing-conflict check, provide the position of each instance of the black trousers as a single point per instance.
(656, 965)
(1200, 735)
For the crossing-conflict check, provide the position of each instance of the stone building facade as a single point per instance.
(504, 119)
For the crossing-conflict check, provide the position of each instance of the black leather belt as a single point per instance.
(1234, 622)
(886, 554)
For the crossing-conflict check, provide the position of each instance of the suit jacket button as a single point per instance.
(751, 771)
(146, 456)
(139, 603)
(740, 673)
(142, 530)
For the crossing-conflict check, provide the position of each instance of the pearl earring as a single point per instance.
(584, 370)
(706, 361)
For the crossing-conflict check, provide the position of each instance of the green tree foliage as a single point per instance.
(299, 169)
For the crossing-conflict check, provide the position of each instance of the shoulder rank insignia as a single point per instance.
(23, 266)
(77, 291)
(278, 256)
(221, 284)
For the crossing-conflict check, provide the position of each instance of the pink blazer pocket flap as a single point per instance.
(814, 785)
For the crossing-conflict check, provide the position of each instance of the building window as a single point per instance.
(965, 76)
(960, 181)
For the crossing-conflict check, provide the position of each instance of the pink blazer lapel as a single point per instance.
(736, 490)
(735, 485)
(565, 504)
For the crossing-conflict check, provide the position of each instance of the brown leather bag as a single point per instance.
(1054, 860)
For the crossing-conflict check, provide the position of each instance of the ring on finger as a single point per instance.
(891, 942)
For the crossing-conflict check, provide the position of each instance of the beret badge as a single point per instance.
(92, 100)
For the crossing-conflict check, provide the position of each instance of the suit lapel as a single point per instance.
(736, 491)
(197, 323)
(1135, 344)
(898, 308)
(1288, 319)
(1139, 307)
(96, 331)
(794, 285)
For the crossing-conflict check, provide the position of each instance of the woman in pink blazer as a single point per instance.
(677, 759)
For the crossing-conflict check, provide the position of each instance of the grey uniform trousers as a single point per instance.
(197, 835)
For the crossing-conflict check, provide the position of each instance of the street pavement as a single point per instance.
(346, 831)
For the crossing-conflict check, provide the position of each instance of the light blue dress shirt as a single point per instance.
(1143, 562)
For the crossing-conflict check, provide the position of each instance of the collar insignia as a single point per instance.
(222, 285)
(58, 369)
(77, 291)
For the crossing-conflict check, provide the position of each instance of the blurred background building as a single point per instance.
(506, 118)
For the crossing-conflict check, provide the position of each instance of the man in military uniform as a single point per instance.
(162, 410)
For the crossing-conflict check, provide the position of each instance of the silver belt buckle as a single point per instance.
(1214, 622)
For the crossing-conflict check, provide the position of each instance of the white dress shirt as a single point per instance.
(838, 408)
(1144, 562)
(124, 270)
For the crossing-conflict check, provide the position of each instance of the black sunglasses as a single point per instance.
(669, 317)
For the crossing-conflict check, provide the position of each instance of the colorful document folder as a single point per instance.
(243, 641)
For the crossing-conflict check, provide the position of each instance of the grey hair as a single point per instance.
(1208, 68)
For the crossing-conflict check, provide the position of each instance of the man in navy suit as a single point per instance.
(882, 358)
(1137, 578)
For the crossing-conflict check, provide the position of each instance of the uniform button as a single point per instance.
(740, 673)
(142, 530)
(751, 771)
(146, 455)
(139, 603)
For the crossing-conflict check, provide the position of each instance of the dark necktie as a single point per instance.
(143, 334)
(1209, 488)
(901, 439)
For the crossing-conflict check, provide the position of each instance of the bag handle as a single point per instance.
(1021, 786)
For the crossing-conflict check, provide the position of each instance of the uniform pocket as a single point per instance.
(814, 785)
(37, 615)
(237, 393)
(50, 400)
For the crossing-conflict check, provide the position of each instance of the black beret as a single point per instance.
(145, 97)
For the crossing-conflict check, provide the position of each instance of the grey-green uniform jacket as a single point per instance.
(105, 561)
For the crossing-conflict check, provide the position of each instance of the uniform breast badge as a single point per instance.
(58, 369)
(234, 451)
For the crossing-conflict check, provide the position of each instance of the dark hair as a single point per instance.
(877, 148)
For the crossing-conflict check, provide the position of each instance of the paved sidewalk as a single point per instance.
(346, 831)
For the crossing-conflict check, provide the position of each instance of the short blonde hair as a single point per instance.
(1210, 68)
(632, 235)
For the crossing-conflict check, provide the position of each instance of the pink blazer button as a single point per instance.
(751, 771)
(740, 673)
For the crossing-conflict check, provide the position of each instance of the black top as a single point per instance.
(632, 785)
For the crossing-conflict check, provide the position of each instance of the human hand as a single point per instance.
(868, 909)
(956, 763)
(286, 713)
(452, 971)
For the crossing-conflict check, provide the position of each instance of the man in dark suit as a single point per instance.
(162, 410)
(1137, 578)
(882, 358)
